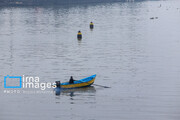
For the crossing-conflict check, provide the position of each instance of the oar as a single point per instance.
(101, 86)
(98, 85)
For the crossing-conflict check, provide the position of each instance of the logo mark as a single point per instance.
(6, 78)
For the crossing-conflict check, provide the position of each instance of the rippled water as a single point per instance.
(136, 56)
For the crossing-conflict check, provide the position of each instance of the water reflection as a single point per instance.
(71, 92)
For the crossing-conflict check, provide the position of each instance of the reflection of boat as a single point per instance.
(79, 83)
(89, 89)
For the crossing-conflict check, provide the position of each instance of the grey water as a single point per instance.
(138, 57)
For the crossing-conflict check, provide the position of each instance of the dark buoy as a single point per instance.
(91, 25)
(79, 35)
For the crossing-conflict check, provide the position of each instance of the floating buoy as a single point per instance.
(79, 35)
(91, 25)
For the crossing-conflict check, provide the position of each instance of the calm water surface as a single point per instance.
(136, 56)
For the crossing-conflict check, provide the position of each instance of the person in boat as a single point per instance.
(71, 81)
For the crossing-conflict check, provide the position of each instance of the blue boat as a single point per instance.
(79, 83)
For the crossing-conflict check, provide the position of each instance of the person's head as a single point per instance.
(79, 31)
(91, 22)
(71, 77)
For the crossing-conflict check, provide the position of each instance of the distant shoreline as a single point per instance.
(55, 2)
